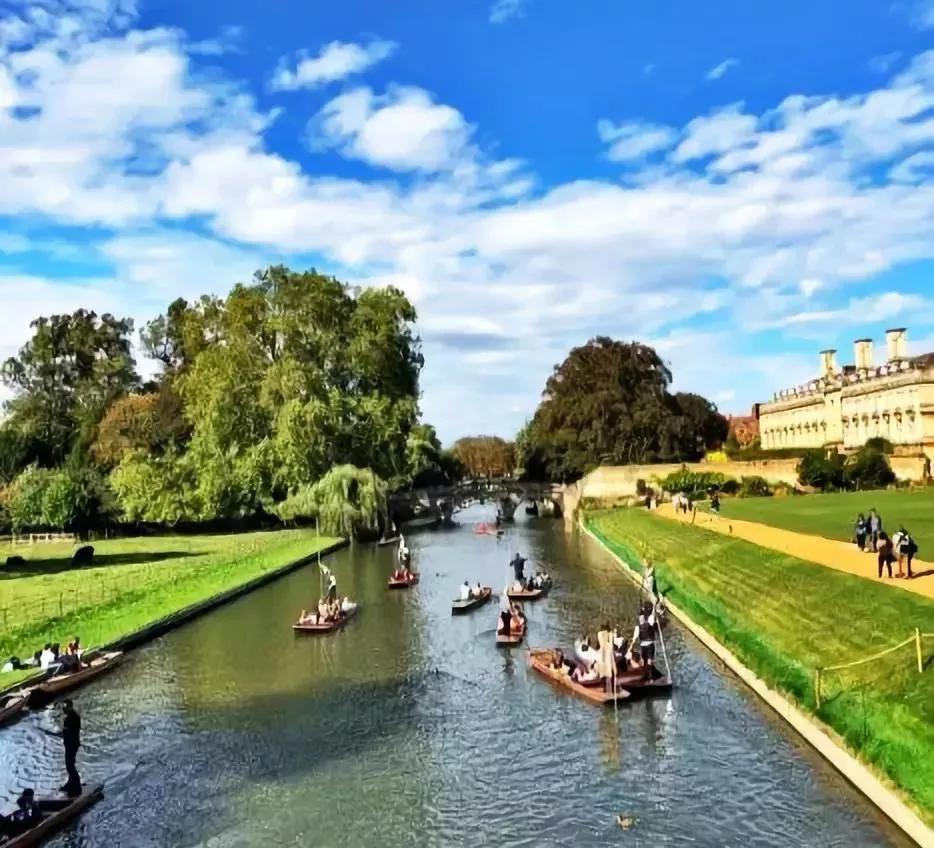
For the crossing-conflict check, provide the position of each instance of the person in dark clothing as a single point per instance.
(884, 552)
(862, 530)
(25, 817)
(71, 736)
(518, 566)
(907, 548)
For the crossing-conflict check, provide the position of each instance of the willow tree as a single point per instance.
(346, 501)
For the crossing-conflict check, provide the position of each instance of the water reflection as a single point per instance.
(410, 727)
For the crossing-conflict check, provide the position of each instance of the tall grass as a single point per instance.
(784, 618)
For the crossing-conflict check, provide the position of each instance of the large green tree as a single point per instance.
(64, 378)
(609, 402)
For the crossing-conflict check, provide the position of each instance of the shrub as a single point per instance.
(694, 484)
(716, 457)
(822, 471)
(868, 468)
(877, 443)
(730, 487)
(754, 487)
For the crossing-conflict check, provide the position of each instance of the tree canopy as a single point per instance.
(258, 396)
(609, 403)
(485, 456)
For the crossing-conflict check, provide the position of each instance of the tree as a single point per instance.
(608, 402)
(868, 468)
(346, 502)
(485, 456)
(66, 375)
(151, 422)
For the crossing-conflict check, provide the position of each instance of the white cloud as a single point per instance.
(336, 61)
(752, 219)
(634, 139)
(719, 70)
(403, 130)
(503, 10)
(229, 40)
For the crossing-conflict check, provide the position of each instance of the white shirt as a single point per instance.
(465, 592)
(46, 659)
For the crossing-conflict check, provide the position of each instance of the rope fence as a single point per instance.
(915, 638)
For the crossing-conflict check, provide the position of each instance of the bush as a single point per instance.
(877, 443)
(754, 487)
(641, 488)
(694, 484)
(730, 487)
(868, 468)
(716, 457)
(822, 471)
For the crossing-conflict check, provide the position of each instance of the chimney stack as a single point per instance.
(895, 340)
(828, 363)
(862, 351)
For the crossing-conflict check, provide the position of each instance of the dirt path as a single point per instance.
(842, 556)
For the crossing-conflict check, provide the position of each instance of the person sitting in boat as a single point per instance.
(334, 610)
(306, 617)
(346, 605)
(74, 647)
(477, 590)
(517, 622)
(25, 817)
(560, 664)
(585, 674)
(465, 591)
(505, 616)
(46, 658)
(322, 611)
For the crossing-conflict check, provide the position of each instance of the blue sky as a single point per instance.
(739, 184)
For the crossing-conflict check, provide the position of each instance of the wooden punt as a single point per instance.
(52, 687)
(529, 594)
(540, 661)
(329, 626)
(411, 580)
(59, 812)
(634, 679)
(459, 607)
(11, 707)
(509, 640)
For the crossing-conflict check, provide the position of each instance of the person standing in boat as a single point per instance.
(644, 636)
(606, 662)
(465, 593)
(518, 566)
(71, 736)
(505, 613)
(405, 555)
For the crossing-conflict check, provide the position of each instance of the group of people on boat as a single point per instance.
(51, 657)
(24, 818)
(468, 592)
(521, 583)
(610, 653)
(330, 608)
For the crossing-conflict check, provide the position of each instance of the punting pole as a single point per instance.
(661, 639)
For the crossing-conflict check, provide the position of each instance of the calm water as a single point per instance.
(412, 728)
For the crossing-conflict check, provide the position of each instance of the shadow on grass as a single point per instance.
(36, 567)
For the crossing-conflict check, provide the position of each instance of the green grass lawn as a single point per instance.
(834, 515)
(783, 618)
(132, 583)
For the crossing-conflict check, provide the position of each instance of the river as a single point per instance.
(411, 728)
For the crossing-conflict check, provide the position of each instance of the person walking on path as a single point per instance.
(875, 528)
(884, 553)
(861, 530)
(905, 549)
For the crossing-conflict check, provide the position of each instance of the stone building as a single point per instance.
(845, 406)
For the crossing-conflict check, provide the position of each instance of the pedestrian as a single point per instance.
(861, 531)
(884, 553)
(875, 527)
(71, 736)
(907, 548)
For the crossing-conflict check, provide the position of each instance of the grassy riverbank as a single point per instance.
(132, 583)
(834, 515)
(783, 618)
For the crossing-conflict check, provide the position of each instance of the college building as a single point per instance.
(845, 406)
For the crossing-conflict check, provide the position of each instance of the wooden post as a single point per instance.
(918, 648)
(817, 687)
